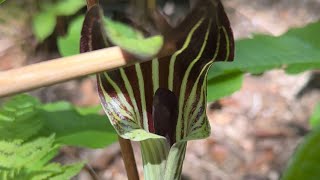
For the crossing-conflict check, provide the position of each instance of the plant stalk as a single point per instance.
(128, 159)
(154, 155)
(91, 3)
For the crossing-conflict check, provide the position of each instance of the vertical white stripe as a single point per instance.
(227, 43)
(184, 87)
(174, 56)
(131, 95)
(155, 74)
(142, 97)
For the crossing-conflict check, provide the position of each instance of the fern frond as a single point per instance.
(17, 154)
(68, 171)
(29, 160)
(19, 118)
(24, 152)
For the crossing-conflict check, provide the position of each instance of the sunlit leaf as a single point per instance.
(70, 44)
(122, 35)
(131, 40)
(44, 22)
(43, 25)
(67, 7)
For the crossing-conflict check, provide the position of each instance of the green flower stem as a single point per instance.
(154, 155)
(160, 162)
(175, 161)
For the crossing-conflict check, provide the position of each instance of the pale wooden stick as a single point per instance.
(60, 70)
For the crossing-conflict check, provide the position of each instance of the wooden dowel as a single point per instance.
(60, 70)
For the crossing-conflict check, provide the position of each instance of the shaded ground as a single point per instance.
(253, 133)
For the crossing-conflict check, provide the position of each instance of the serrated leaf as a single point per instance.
(18, 154)
(68, 171)
(306, 160)
(24, 154)
(132, 40)
(71, 127)
(19, 118)
(315, 117)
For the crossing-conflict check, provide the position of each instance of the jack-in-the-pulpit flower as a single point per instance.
(162, 102)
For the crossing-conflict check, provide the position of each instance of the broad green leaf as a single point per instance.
(44, 22)
(307, 34)
(23, 117)
(120, 34)
(70, 44)
(296, 51)
(43, 25)
(68, 7)
(133, 41)
(76, 128)
(1, 1)
(315, 117)
(89, 110)
(222, 86)
(306, 160)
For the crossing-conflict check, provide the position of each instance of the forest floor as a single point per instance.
(254, 131)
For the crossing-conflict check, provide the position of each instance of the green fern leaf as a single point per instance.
(19, 118)
(16, 154)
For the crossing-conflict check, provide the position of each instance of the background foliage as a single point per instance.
(31, 134)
